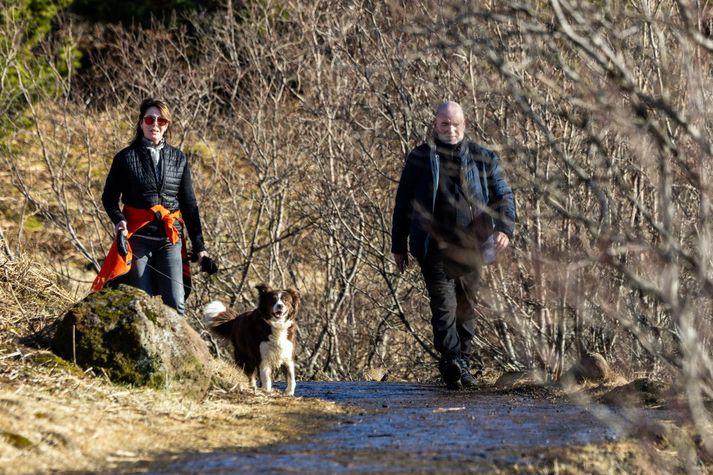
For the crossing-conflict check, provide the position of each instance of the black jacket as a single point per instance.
(416, 195)
(132, 177)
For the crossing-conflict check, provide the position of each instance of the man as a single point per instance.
(456, 211)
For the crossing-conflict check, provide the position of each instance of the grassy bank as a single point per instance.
(53, 417)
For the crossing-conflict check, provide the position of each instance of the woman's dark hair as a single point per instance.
(146, 104)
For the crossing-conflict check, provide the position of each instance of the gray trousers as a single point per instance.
(157, 269)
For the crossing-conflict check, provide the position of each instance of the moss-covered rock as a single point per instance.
(134, 339)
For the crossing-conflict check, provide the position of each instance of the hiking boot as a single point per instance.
(450, 372)
(466, 378)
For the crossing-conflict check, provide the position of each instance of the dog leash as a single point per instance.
(181, 281)
(207, 264)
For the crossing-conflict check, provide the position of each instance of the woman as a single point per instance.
(154, 182)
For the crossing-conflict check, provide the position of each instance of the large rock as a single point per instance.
(134, 339)
(592, 368)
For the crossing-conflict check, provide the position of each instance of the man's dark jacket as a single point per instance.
(133, 177)
(416, 196)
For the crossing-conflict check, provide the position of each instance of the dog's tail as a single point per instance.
(218, 318)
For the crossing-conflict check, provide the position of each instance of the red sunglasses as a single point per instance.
(149, 120)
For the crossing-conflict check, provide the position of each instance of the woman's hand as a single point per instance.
(201, 255)
(121, 226)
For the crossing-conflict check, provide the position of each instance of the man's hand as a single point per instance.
(401, 262)
(501, 241)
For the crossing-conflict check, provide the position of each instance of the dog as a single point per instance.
(264, 339)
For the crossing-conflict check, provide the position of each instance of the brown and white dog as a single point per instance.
(264, 338)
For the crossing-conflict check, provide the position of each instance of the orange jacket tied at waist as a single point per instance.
(115, 265)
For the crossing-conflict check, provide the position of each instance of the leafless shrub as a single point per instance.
(296, 118)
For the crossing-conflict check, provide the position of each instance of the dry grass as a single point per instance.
(31, 296)
(53, 416)
(612, 458)
(56, 418)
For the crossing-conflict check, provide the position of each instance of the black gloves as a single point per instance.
(208, 266)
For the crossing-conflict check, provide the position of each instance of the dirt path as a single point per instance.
(407, 428)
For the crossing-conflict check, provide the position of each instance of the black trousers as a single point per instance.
(452, 301)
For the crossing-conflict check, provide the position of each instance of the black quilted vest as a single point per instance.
(141, 188)
(133, 180)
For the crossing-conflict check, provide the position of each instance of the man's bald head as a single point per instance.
(449, 107)
(449, 124)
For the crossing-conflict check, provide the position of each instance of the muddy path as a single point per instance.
(406, 428)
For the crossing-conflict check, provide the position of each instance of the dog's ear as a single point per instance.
(295, 298)
(263, 288)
